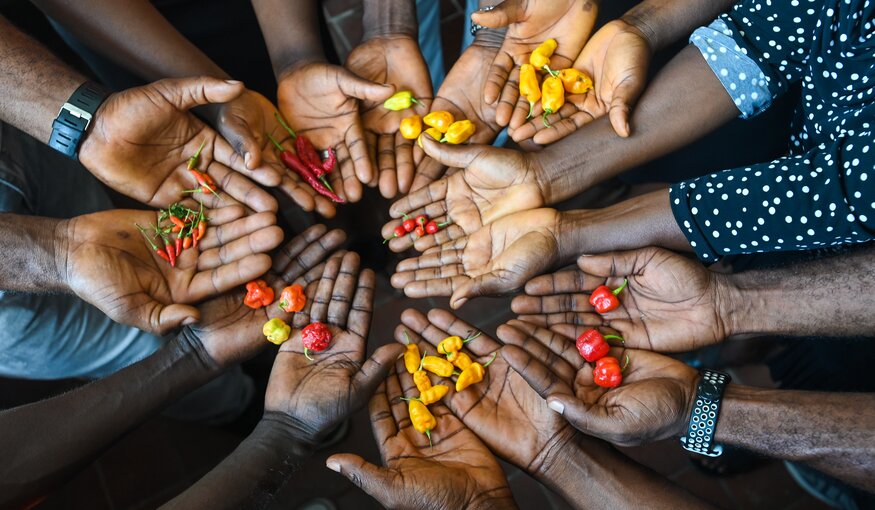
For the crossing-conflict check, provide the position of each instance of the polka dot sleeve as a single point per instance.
(821, 198)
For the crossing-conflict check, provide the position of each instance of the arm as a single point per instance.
(291, 32)
(389, 17)
(664, 22)
(31, 262)
(832, 432)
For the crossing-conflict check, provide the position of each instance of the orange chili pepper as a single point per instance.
(529, 86)
(552, 96)
(258, 294)
(292, 299)
(575, 82)
(411, 127)
(440, 120)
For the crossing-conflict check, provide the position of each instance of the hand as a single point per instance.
(502, 410)
(497, 259)
(455, 471)
(530, 23)
(461, 95)
(321, 102)
(671, 304)
(245, 122)
(617, 58)
(231, 331)
(653, 402)
(495, 183)
(318, 394)
(109, 264)
(141, 139)
(395, 60)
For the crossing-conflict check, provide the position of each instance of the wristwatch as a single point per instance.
(703, 420)
(75, 116)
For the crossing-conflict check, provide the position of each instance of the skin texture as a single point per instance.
(455, 471)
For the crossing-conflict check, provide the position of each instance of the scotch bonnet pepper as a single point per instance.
(411, 127)
(440, 120)
(437, 366)
(400, 101)
(593, 346)
(473, 374)
(421, 418)
(276, 331)
(433, 394)
(552, 96)
(540, 58)
(574, 81)
(292, 299)
(607, 372)
(603, 299)
(258, 294)
(459, 132)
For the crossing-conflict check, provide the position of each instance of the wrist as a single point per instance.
(294, 62)
(384, 18)
(189, 341)
(744, 306)
(491, 38)
(638, 23)
(60, 251)
(277, 431)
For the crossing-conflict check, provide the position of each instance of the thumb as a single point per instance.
(170, 317)
(501, 15)
(372, 479)
(579, 416)
(360, 88)
(242, 139)
(374, 371)
(488, 284)
(456, 156)
(186, 93)
(620, 263)
(625, 95)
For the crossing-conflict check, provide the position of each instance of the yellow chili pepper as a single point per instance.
(439, 120)
(411, 127)
(437, 366)
(459, 132)
(421, 418)
(460, 359)
(276, 331)
(540, 58)
(473, 374)
(454, 343)
(529, 86)
(420, 378)
(432, 132)
(433, 394)
(574, 81)
(411, 358)
(552, 96)
(400, 101)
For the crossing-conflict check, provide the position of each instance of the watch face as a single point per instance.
(710, 390)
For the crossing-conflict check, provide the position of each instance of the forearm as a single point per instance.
(134, 35)
(34, 258)
(34, 83)
(291, 32)
(642, 221)
(592, 474)
(830, 297)
(47, 441)
(832, 432)
(664, 22)
(253, 473)
(664, 120)
(389, 17)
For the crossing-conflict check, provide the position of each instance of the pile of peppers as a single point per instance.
(421, 226)
(305, 162)
(178, 228)
(455, 363)
(551, 92)
(594, 347)
(316, 337)
(442, 125)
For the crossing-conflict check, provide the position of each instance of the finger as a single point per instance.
(382, 422)
(442, 237)
(301, 319)
(501, 15)
(488, 284)
(374, 480)
(625, 96)
(218, 234)
(306, 250)
(447, 322)
(559, 304)
(166, 318)
(519, 116)
(510, 96)
(562, 127)
(430, 288)
(186, 93)
(223, 278)
(386, 165)
(351, 186)
(358, 152)
(371, 143)
(360, 88)
(240, 149)
(536, 374)
(344, 287)
(587, 419)
(241, 189)
(293, 188)
(459, 156)
(430, 260)
(496, 77)
(557, 283)
(619, 263)
(374, 371)
(260, 241)
(562, 350)
(359, 321)
(404, 163)
(434, 193)
(290, 251)
(393, 393)
(427, 171)
(322, 299)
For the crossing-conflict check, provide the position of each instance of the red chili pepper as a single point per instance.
(607, 372)
(398, 232)
(293, 163)
(331, 162)
(178, 223)
(186, 243)
(421, 220)
(163, 254)
(593, 346)
(258, 294)
(432, 227)
(178, 245)
(315, 337)
(604, 299)
(171, 252)
(160, 251)
(408, 224)
(420, 231)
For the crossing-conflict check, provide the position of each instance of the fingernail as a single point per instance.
(556, 406)
(188, 321)
(333, 465)
(246, 158)
(233, 82)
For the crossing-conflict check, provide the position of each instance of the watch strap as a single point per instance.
(74, 118)
(703, 420)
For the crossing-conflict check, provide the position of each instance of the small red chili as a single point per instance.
(258, 294)
(421, 219)
(398, 232)
(408, 224)
(420, 231)
(315, 337)
(604, 299)
(593, 346)
(432, 227)
(178, 246)
(607, 372)
(186, 243)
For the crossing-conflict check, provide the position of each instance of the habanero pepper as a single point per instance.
(460, 360)
(540, 58)
(316, 337)
(607, 372)
(574, 81)
(459, 132)
(411, 356)
(421, 418)
(421, 380)
(433, 394)
(411, 127)
(603, 299)
(432, 132)
(552, 96)
(437, 366)
(440, 120)
(401, 100)
(529, 86)
(276, 331)
(454, 343)
(292, 299)
(258, 294)
(473, 374)
(593, 346)
(293, 163)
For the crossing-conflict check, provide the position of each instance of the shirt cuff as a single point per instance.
(685, 216)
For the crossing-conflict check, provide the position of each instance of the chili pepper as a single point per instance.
(308, 155)
(178, 245)
(437, 366)
(400, 101)
(440, 120)
(159, 251)
(574, 81)
(421, 418)
(408, 224)
(603, 299)
(411, 127)
(460, 360)
(529, 86)
(186, 242)
(454, 343)
(607, 372)
(421, 380)
(315, 337)
(432, 132)
(552, 96)
(293, 163)
(459, 132)
(540, 58)
(178, 223)
(473, 374)
(276, 331)
(329, 164)
(432, 227)
(411, 356)
(206, 183)
(419, 231)
(593, 346)
(171, 252)
(398, 232)
(193, 161)
(433, 394)
(292, 299)
(258, 294)
(421, 219)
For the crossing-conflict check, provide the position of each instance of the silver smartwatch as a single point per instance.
(703, 420)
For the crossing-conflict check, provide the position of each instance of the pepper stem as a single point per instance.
(143, 231)
(199, 149)
(544, 118)
(531, 110)
(428, 434)
(285, 126)
(494, 354)
(414, 101)
(325, 182)
(406, 337)
(615, 337)
(307, 354)
(276, 143)
(626, 364)
(421, 362)
(619, 289)
(552, 72)
(472, 337)
(444, 224)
